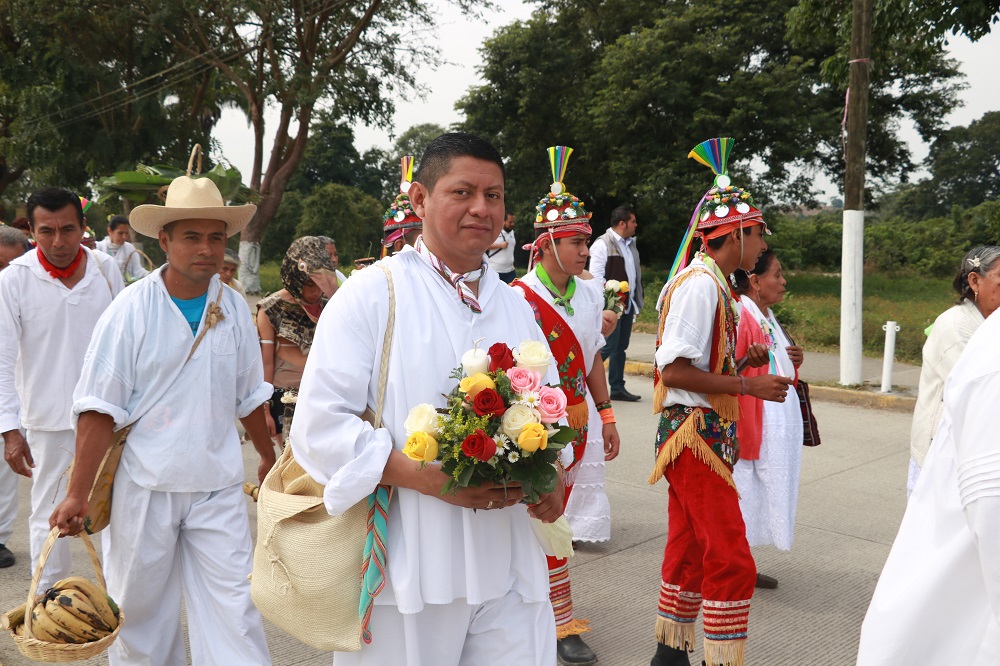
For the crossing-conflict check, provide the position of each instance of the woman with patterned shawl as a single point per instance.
(286, 323)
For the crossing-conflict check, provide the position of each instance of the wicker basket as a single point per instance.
(62, 652)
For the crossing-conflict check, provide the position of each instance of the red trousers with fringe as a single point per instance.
(706, 564)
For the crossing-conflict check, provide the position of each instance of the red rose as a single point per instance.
(480, 446)
(501, 357)
(488, 403)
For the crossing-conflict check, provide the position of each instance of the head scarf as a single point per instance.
(307, 258)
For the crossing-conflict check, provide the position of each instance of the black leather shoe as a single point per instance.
(572, 651)
(625, 396)
(766, 582)
(669, 656)
(6, 557)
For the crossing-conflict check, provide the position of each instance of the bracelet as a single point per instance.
(608, 416)
(743, 385)
(601, 406)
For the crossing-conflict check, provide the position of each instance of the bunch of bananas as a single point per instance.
(74, 610)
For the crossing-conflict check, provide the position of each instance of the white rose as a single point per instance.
(533, 355)
(422, 418)
(516, 417)
(613, 285)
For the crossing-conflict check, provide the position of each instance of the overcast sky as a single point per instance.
(460, 37)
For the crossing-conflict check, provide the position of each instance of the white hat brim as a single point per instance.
(148, 219)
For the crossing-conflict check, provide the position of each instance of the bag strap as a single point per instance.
(383, 373)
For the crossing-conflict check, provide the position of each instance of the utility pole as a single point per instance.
(852, 250)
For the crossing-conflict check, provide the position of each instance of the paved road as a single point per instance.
(851, 502)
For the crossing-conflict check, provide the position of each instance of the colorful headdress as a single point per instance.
(85, 205)
(399, 217)
(559, 213)
(723, 208)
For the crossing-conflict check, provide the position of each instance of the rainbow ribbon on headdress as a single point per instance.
(406, 166)
(713, 153)
(559, 159)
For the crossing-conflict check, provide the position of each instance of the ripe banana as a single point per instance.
(78, 605)
(97, 597)
(44, 628)
(66, 618)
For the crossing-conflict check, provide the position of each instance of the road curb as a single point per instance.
(869, 399)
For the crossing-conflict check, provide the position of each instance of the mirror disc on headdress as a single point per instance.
(571, 213)
(404, 186)
(721, 211)
(722, 180)
(400, 216)
(552, 215)
(556, 188)
(742, 208)
(704, 216)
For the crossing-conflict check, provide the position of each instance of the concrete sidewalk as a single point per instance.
(822, 371)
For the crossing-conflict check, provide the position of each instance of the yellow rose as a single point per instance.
(421, 446)
(533, 437)
(623, 288)
(476, 383)
(533, 355)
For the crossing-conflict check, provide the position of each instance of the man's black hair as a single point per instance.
(439, 153)
(621, 214)
(117, 221)
(53, 199)
(507, 212)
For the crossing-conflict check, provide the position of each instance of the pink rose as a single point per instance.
(551, 404)
(522, 379)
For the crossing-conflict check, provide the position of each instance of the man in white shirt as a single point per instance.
(462, 586)
(614, 256)
(501, 253)
(13, 244)
(116, 244)
(50, 301)
(176, 358)
(227, 272)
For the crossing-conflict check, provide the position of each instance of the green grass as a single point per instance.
(270, 277)
(811, 310)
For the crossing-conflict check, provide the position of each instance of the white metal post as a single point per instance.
(888, 357)
(851, 279)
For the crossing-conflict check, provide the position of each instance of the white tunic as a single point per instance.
(126, 258)
(437, 552)
(184, 437)
(50, 325)
(769, 486)
(687, 332)
(938, 599)
(588, 510)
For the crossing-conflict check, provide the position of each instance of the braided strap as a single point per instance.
(373, 577)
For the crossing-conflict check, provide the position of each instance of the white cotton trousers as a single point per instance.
(161, 545)
(501, 631)
(52, 451)
(8, 502)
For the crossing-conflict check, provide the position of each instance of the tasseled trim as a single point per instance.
(577, 415)
(725, 405)
(725, 653)
(574, 627)
(678, 635)
(686, 436)
(569, 476)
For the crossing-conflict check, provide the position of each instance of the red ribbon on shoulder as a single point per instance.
(55, 271)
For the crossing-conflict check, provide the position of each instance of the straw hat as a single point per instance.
(187, 199)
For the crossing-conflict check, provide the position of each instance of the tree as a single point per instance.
(965, 163)
(299, 57)
(349, 216)
(633, 86)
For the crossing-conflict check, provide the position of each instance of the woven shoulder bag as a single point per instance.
(315, 575)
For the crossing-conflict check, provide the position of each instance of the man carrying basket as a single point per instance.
(175, 358)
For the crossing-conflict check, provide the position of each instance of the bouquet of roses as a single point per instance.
(615, 293)
(500, 425)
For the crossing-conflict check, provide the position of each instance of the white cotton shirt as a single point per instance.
(126, 258)
(938, 598)
(183, 437)
(687, 332)
(599, 260)
(437, 552)
(502, 261)
(50, 326)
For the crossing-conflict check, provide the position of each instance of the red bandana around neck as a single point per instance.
(60, 273)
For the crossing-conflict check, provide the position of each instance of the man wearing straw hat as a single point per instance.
(50, 302)
(176, 358)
